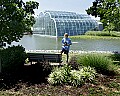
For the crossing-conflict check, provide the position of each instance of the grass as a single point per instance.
(98, 35)
(31, 81)
(94, 37)
(101, 63)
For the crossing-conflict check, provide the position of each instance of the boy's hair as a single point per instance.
(66, 34)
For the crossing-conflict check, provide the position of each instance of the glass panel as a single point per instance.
(61, 22)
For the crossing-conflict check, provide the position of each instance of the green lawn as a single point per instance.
(94, 37)
(99, 35)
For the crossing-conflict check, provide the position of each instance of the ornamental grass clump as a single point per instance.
(101, 63)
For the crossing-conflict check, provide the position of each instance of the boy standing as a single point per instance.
(66, 42)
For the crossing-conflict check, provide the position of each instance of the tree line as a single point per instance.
(109, 13)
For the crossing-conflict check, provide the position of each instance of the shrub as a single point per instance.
(76, 78)
(101, 63)
(115, 56)
(73, 63)
(45, 67)
(64, 75)
(60, 75)
(13, 58)
(88, 73)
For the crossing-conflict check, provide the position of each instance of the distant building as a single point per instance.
(100, 26)
(56, 23)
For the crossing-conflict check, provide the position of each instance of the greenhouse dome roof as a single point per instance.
(56, 23)
(67, 15)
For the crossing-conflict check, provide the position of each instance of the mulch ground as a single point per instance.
(32, 81)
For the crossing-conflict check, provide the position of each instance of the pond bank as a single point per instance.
(71, 51)
(94, 37)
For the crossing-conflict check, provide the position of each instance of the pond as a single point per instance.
(36, 42)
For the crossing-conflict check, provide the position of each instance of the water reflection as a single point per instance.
(34, 42)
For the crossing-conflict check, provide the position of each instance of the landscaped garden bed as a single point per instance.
(32, 85)
(77, 78)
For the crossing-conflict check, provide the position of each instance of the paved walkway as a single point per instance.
(71, 51)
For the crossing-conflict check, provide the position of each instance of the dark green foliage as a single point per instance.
(13, 58)
(16, 17)
(45, 67)
(108, 11)
(115, 56)
(73, 63)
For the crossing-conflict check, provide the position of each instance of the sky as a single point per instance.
(78, 6)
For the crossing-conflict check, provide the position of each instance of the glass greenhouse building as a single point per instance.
(56, 23)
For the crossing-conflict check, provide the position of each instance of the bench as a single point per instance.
(45, 57)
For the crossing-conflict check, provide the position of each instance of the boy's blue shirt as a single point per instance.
(68, 41)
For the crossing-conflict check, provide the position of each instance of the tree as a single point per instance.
(108, 11)
(110, 27)
(16, 17)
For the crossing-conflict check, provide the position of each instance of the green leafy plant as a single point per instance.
(13, 58)
(64, 75)
(16, 17)
(115, 56)
(88, 73)
(60, 75)
(76, 78)
(83, 75)
(108, 11)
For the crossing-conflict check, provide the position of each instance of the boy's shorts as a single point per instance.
(65, 51)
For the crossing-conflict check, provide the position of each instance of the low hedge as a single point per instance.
(103, 33)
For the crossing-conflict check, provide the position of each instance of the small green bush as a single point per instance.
(60, 75)
(86, 74)
(13, 58)
(73, 63)
(64, 75)
(76, 78)
(101, 63)
(115, 56)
